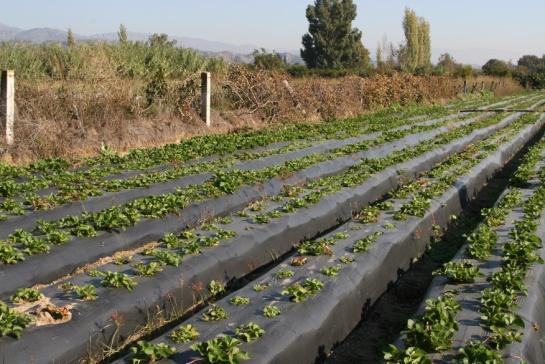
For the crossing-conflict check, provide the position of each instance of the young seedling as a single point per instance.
(184, 334)
(148, 270)
(239, 300)
(459, 272)
(117, 280)
(259, 287)
(86, 292)
(146, 352)
(249, 332)
(284, 273)
(331, 271)
(26, 295)
(221, 350)
(216, 288)
(271, 311)
(214, 313)
(12, 323)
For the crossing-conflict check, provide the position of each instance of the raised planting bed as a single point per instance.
(490, 295)
(148, 219)
(96, 196)
(241, 253)
(110, 175)
(315, 298)
(51, 171)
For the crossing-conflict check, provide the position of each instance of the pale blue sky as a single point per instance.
(472, 30)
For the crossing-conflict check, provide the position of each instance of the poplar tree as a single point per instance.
(332, 42)
(122, 34)
(70, 40)
(416, 52)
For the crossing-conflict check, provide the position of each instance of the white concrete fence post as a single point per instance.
(206, 93)
(7, 102)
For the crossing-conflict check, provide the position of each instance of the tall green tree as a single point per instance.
(122, 34)
(70, 39)
(160, 40)
(496, 67)
(416, 52)
(331, 41)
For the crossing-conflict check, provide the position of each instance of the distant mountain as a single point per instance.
(40, 35)
(7, 32)
(229, 52)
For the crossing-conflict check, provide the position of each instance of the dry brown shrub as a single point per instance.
(74, 118)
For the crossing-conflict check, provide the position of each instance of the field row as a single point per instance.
(333, 214)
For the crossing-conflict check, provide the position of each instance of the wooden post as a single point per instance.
(7, 102)
(206, 87)
(465, 86)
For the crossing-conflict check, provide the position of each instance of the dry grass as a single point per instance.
(73, 118)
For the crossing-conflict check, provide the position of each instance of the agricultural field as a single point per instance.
(267, 246)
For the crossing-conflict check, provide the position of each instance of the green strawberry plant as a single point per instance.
(284, 273)
(459, 272)
(12, 323)
(221, 350)
(146, 352)
(216, 288)
(331, 271)
(239, 300)
(26, 295)
(117, 280)
(214, 313)
(433, 331)
(148, 270)
(411, 355)
(184, 334)
(271, 311)
(259, 287)
(249, 332)
(87, 292)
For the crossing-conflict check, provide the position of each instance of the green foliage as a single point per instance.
(268, 61)
(481, 242)
(331, 41)
(331, 271)
(259, 287)
(184, 334)
(249, 332)
(216, 288)
(363, 245)
(135, 60)
(70, 39)
(10, 254)
(86, 292)
(415, 54)
(25, 295)
(368, 214)
(347, 259)
(239, 300)
(117, 280)
(434, 330)
(214, 313)
(221, 350)
(409, 355)
(146, 352)
(148, 270)
(479, 352)
(284, 273)
(270, 311)
(122, 36)
(496, 67)
(12, 323)
(299, 292)
(459, 272)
